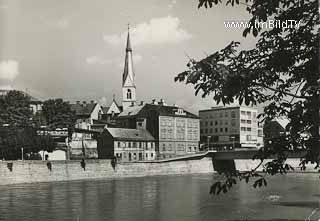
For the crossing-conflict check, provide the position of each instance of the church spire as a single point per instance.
(128, 74)
(128, 48)
(128, 83)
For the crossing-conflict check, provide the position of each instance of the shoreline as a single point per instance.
(53, 171)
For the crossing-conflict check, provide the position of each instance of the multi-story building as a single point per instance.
(175, 130)
(126, 145)
(230, 128)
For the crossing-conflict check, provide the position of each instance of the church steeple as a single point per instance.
(128, 83)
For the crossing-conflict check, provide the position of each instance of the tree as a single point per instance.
(17, 126)
(58, 114)
(281, 72)
(15, 109)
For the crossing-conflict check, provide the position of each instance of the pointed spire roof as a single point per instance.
(128, 74)
(128, 48)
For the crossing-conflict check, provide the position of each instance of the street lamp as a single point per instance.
(208, 139)
(233, 140)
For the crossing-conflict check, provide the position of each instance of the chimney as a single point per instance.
(175, 105)
(154, 101)
(92, 102)
(141, 103)
(132, 104)
(78, 102)
(162, 102)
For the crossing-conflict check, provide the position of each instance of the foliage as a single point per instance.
(281, 72)
(58, 114)
(18, 124)
(15, 109)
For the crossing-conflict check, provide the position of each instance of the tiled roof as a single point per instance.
(131, 111)
(161, 110)
(130, 134)
(83, 109)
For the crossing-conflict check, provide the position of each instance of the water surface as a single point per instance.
(165, 198)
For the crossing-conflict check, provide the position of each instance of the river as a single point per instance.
(290, 197)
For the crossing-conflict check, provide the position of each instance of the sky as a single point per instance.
(75, 49)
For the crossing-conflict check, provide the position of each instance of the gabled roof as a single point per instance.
(130, 134)
(83, 109)
(161, 110)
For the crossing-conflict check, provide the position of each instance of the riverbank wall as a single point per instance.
(15, 172)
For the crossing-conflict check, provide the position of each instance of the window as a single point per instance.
(211, 123)
(243, 112)
(233, 114)
(233, 122)
(243, 129)
(248, 137)
(226, 129)
(146, 155)
(163, 147)
(221, 129)
(221, 114)
(225, 122)
(248, 128)
(201, 131)
(119, 144)
(129, 94)
(226, 114)
(216, 123)
(206, 123)
(134, 144)
(129, 144)
(206, 131)
(216, 130)
(151, 155)
(243, 121)
(249, 113)
(248, 121)
(211, 130)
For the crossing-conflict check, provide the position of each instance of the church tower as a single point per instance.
(128, 84)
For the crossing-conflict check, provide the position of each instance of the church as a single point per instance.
(176, 132)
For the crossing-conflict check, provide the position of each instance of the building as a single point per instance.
(126, 145)
(175, 130)
(274, 128)
(110, 113)
(128, 78)
(230, 128)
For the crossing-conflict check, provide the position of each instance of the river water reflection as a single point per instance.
(291, 197)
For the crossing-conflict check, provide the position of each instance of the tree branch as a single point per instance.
(284, 92)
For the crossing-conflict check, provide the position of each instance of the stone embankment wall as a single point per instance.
(39, 171)
(248, 164)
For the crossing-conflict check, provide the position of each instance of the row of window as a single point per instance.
(180, 147)
(222, 114)
(134, 156)
(216, 123)
(248, 114)
(221, 130)
(136, 144)
(245, 128)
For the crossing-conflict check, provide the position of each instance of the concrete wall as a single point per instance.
(247, 164)
(37, 171)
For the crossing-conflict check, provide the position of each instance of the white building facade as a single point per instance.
(230, 128)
